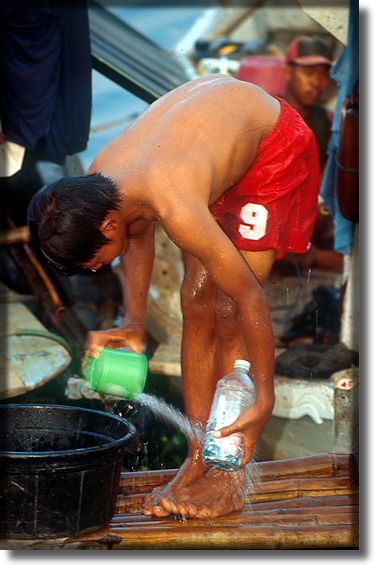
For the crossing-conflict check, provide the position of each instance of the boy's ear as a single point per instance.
(109, 225)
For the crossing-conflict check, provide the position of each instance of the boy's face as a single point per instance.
(104, 256)
(114, 230)
(308, 84)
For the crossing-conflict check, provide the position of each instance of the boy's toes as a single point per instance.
(156, 510)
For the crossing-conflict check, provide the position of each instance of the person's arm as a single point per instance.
(137, 266)
(195, 231)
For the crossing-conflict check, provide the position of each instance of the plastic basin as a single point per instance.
(59, 469)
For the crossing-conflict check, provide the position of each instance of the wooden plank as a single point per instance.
(346, 517)
(263, 538)
(307, 502)
(134, 503)
(287, 508)
(263, 492)
(320, 465)
(333, 17)
(221, 537)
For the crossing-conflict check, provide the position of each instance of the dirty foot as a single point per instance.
(213, 494)
(189, 472)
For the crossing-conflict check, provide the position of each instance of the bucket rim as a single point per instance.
(116, 443)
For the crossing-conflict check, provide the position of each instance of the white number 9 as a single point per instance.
(255, 218)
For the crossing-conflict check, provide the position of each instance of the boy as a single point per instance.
(231, 173)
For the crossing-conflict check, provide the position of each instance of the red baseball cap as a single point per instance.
(308, 50)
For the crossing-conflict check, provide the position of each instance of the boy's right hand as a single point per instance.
(132, 335)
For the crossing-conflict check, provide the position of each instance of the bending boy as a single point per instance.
(231, 173)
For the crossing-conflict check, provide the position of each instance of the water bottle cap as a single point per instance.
(242, 364)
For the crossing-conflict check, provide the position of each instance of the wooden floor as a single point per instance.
(305, 503)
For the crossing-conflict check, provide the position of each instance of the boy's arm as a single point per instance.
(137, 266)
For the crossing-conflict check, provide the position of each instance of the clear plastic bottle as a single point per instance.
(234, 393)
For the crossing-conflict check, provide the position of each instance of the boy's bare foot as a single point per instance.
(190, 471)
(213, 494)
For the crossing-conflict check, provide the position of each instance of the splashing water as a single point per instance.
(168, 413)
(171, 415)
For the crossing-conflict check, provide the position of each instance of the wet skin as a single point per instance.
(178, 158)
(219, 330)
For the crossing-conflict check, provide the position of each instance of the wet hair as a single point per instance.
(64, 219)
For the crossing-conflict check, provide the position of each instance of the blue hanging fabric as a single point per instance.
(45, 76)
(346, 73)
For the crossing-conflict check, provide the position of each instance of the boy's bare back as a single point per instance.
(189, 139)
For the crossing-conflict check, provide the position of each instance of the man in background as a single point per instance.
(308, 82)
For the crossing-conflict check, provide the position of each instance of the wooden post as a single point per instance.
(346, 411)
(14, 236)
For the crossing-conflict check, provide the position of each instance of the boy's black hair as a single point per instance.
(64, 219)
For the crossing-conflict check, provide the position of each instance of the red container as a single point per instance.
(266, 71)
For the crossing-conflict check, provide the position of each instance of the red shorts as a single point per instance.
(274, 206)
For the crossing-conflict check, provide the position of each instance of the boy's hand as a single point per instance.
(250, 424)
(132, 335)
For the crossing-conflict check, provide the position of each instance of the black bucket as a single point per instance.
(59, 469)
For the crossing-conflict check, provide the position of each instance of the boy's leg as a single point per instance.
(198, 358)
(212, 492)
(198, 353)
(229, 336)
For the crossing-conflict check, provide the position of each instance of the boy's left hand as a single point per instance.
(132, 336)
(250, 424)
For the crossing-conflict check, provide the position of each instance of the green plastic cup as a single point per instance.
(116, 372)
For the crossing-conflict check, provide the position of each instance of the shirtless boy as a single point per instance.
(231, 173)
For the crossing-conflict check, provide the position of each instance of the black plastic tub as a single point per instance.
(59, 469)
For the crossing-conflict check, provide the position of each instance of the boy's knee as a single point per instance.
(226, 316)
(196, 301)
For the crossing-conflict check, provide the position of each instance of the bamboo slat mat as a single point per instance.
(305, 503)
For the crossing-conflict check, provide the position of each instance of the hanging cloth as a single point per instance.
(45, 76)
(345, 72)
